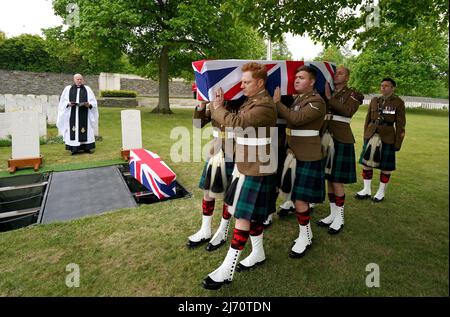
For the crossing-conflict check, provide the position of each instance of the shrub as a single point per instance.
(6, 141)
(119, 93)
(55, 140)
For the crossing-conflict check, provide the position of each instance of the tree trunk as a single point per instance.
(163, 101)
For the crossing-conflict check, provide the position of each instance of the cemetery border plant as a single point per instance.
(118, 93)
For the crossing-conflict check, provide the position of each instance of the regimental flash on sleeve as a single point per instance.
(310, 104)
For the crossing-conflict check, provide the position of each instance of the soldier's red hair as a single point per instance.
(258, 70)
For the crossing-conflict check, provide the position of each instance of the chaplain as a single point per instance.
(77, 115)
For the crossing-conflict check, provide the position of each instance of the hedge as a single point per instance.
(118, 93)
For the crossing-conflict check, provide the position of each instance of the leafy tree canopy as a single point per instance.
(280, 50)
(162, 38)
(417, 60)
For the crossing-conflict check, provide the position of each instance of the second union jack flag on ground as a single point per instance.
(149, 170)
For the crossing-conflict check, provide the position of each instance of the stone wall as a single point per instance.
(142, 87)
(30, 83)
(150, 88)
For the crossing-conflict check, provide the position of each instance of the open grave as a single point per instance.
(61, 196)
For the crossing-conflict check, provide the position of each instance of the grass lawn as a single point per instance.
(141, 251)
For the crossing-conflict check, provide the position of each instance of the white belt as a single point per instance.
(281, 121)
(291, 132)
(335, 117)
(253, 141)
(223, 134)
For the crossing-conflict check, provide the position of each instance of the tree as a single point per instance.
(56, 52)
(328, 21)
(24, 52)
(331, 54)
(280, 50)
(69, 58)
(337, 21)
(417, 60)
(161, 37)
(2, 37)
(403, 16)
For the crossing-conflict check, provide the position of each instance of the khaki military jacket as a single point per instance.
(306, 113)
(222, 139)
(386, 116)
(343, 103)
(257, 111)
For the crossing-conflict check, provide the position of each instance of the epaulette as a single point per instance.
(356, 96)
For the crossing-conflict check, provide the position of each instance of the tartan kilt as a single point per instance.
(344, 164)
(309, 185)
(257, 198)
(229, 166)
(387, 156)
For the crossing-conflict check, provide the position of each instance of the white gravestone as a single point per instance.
(25, 135)
(52, 113)
(53, 100)
(31, 100)
(43, 101)
(52, 109)
(10, 103)
(29, 103)
(21, 101)
(32, 104)
(108, 81)
(2, 100)
(5, 125)
(131, 129)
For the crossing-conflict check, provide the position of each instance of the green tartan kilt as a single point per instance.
(309, 185)
(344, 164)
(229, 166)
(257, 198)
(387, 162)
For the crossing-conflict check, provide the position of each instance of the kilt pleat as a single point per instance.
(228, 170)
(344, 164)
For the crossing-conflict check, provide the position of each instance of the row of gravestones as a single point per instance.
(45, 106)
(25, 142)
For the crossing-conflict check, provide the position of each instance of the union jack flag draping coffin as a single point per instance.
(149, 170)
(212, 74)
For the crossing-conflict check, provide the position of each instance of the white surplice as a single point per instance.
(63, 119)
